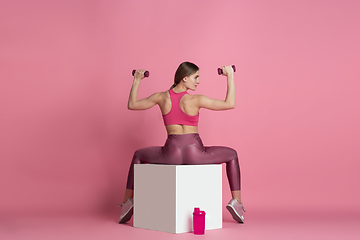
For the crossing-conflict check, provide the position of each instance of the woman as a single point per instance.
(183, 145)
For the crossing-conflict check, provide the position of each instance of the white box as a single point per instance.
(165, 196)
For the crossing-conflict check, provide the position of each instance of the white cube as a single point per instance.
(165, 196)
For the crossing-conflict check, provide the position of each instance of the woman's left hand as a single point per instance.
(139, 74)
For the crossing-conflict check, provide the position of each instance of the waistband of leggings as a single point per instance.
(183, 135)
(183, 139)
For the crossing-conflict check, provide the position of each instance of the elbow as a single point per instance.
(130, 106)
(231, 105)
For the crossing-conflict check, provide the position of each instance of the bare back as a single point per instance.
(186, 105)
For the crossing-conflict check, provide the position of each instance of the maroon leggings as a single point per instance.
(188, 149)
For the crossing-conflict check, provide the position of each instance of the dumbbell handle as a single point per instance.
(220, 70)
(146, 73)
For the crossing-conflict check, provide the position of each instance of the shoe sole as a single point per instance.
(127, 216)
(234, 214)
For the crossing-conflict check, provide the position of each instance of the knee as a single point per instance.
(233, 154)
(136, 158)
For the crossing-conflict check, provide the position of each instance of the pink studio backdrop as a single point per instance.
(67, 137)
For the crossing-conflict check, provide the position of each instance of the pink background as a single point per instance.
(67, 137)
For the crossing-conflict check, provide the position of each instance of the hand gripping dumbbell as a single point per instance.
(220, 70)
(146, 73)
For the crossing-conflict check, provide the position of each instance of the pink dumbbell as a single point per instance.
(220, 70)
(146, 73)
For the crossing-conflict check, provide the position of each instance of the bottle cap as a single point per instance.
(198, 212)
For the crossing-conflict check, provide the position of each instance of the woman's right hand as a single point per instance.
(227, 70)
(139, 74)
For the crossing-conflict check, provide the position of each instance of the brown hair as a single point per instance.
(185, 69)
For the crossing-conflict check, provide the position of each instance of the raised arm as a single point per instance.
(216, 104)
(145, 103)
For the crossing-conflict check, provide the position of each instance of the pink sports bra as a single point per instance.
(176, 115)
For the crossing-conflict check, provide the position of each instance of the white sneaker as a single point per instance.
(126, 211)
(236, 210)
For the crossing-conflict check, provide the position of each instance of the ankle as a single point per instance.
(238, 200)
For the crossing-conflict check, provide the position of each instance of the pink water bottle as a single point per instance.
(198, 221)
